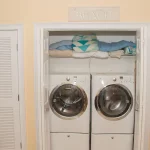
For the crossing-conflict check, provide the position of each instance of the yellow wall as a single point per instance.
(28, 12)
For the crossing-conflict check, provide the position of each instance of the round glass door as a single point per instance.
(114, 102)
(68, 101)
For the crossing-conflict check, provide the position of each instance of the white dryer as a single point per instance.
(113, 101)
(69, 110)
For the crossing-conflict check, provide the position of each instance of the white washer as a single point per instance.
(113, 101)
(69, 103)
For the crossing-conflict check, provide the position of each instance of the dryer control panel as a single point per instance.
(116, 79)
(126, 79)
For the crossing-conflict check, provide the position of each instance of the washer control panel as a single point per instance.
(76, 79)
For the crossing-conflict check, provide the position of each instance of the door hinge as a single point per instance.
(18, 98)
(138, 45)
(20, 145)
(44, 44)
(17, 46)
(136, 106)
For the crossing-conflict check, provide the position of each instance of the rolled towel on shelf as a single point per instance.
(96, 54)
(61, 45)
(130, 50)
(116, 54)
(64, 47)
(114, 46)
(85, 43)
(60, 54)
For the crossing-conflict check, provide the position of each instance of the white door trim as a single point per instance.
(37, 85)
(19, 29)
(84, 26)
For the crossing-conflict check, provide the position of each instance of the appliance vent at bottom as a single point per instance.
(7, 141)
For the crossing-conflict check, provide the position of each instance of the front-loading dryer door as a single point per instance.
(68, 101)
(114, 102)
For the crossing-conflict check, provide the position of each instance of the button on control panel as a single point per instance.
(68, 78)
(114, 79)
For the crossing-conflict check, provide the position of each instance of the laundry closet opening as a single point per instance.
(83, 64)
(90, 98)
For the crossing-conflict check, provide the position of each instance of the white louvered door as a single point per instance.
(9, 104)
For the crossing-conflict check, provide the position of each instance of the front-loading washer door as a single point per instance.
(114, 102)
(68, 101)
